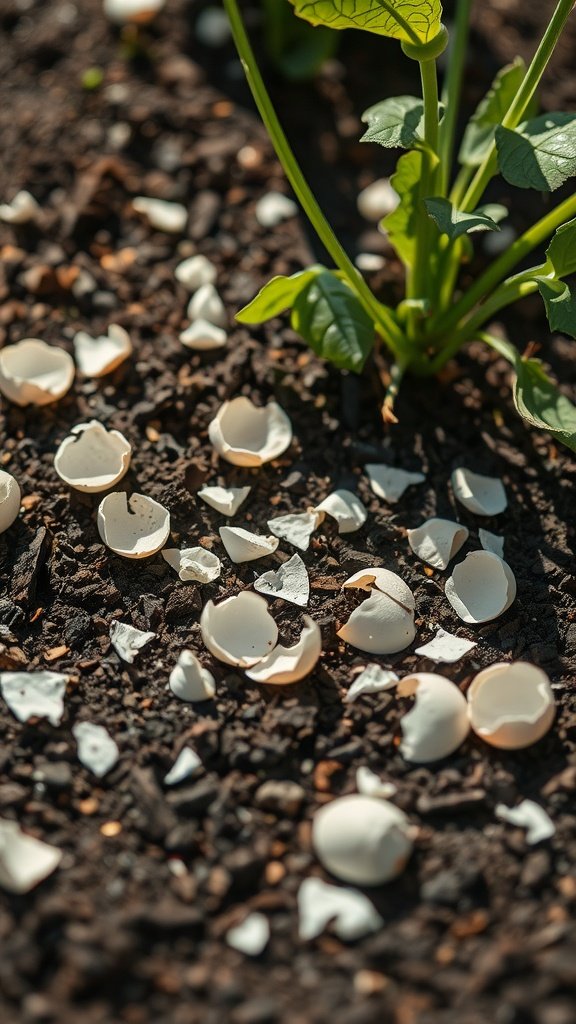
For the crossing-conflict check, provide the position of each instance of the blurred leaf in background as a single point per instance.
(297, 49)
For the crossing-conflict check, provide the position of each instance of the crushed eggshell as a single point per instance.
(128, 641)
(206, 304)
(483, 495)
(384, 624)
(491, 542)
(193, 564)
(362, 839)
(246, 435)
(531, 816)
(351, 914)
(481, 588)
(251, 936)
(289, 664)
(438, 723)
(290, 582)
(370, 784)
(190, 681)
(186, 764)
(346, 508)
(99, 356)
(389, 483)
(22, 209)
(202, 336)
(445, 647)
(34, 373)
(243, 546)
(97, 751)
(226, 500)
(161, 214)
(373, 679)
(437, 541)
(297, 528)
(92, 458)
(24, 860)
(240, 630)
(377, 200)
(273, 208)
(511, 705)
(38, 694)
(195, 271)
(134, 527)
(10, 498)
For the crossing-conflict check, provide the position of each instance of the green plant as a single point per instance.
(297, 50)
(336, 312)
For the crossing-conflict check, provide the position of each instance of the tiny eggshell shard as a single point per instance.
(34, 373)
(134, 527)
(202, 336)
(373, 679)
(438, 723)
(351, 914)
(389, 483)
(362, 839)
(491, 542)
(127, 641)
(195, 271)
(193, 564)
(24, 860)
(531, 816)
(99, 356)
(290, 664)
(240, 630)
(445, 647)
(346, 508)
(251, 937)
(481, 588)
(273, 208)
(186, 764)
(37, 694)
(384, 624)
(92, 458)
(246, 435)
(97, 751)
(190, 681)
(437, 541)
(297, 528)
(206, 304)
(10, 498)
(244, 546)
(226, 500)
(377, 200)
(290, 582)
(511, 706)
(370, 784)
(482, 495)
(161, 214)
(21, 210)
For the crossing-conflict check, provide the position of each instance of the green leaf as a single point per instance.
(561, 253)
(479, 134)
(277, 295)
(560, 301)
(539, 154)
(397, 122)
(328, 315)
(398, 19)
(400, 225)
(454, 223)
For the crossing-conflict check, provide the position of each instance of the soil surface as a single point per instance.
(131, 927)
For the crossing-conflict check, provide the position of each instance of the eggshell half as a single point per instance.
(437, 541)
(240, 630)
(92, 458)
(438, 723)
(481, 588)
(244, 546)
(246, 435)
(346, 509)
(483, 495)
(511, 705)
(34, 373)
(362, 839)
(134, 527)
(99, 356)
(289, 664)
(10, 498)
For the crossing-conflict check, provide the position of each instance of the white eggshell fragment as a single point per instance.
(384, 624)
(370, 784)
(186, 764)
(511, 705)
(438, 723)
(134, 527)
(203, 336)
(346, 508)
(297, 528)
(97, 751)
(240, 630)
(37, 694)
(289, 664)
(483, 495)
(373, 679)
(290, 582)
(377, 200)
(481, 588)
(92, 458)
(206, 304)
(34, 373)
(273, 208)
(529, 815)
(437, 541)
(351, 914)
(251, 936)
(99, 356)
(194, 272)
(362, 839)
(389, 483)
(20, 210)
(193, 565)
(246, 435)
(243, 546)
(190, 681)
(161, 214)
(127, 641)
(226, 500)
(10, 498)
(24, 860)
(445, 647)
(491, 542)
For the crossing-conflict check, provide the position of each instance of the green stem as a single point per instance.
(417, 288)
(405, 25)
(380, 314)
(452, 89)
(520, 103)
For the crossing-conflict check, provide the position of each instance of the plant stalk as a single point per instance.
(426, 188)
(452, 89)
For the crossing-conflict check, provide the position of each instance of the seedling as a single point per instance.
(439, 213)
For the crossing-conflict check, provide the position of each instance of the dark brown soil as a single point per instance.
(479, 928)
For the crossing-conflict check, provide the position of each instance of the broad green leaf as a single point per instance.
(561, 253)
(276, 296)
(328, 315)
(400, 225)
(560, 301)
(539, 154)
(396, 122)
(454, 223)
(399, 19)
(479, 134)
